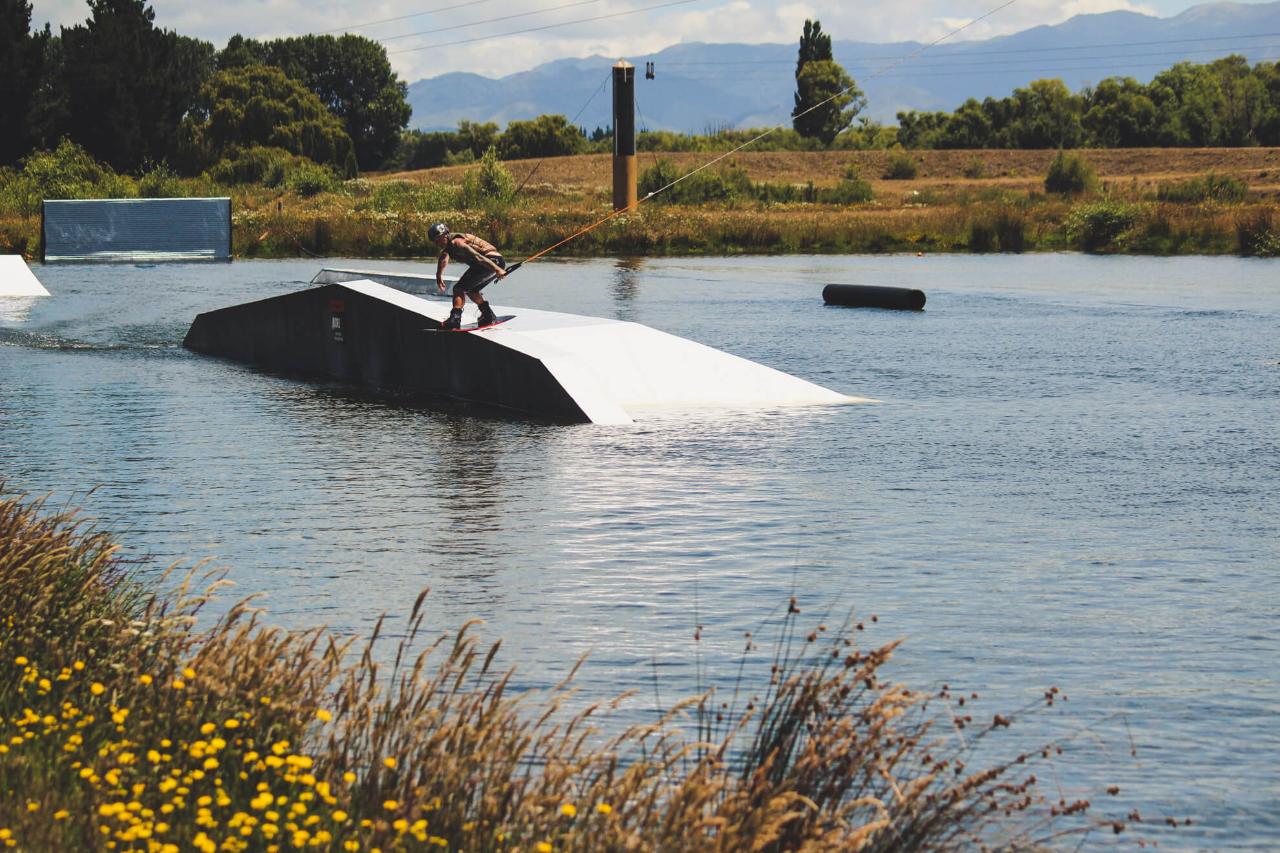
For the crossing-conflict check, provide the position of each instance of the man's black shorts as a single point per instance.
(475, 279)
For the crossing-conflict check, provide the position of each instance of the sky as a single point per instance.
(425, 38)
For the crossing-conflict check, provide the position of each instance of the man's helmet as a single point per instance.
(435, 232)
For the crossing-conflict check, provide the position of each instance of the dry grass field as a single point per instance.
(1146, 168)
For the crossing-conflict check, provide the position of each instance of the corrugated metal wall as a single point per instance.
(138, 229)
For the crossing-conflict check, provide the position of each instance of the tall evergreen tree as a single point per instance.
(128, 84)
(826, 98)
(21, 69)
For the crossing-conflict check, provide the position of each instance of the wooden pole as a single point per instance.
(624, 135)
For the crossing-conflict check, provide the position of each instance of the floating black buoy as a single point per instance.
(869, 296)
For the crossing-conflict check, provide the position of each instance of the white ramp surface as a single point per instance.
(616, 370)
(16, 278)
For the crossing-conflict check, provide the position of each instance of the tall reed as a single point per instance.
(126, 728)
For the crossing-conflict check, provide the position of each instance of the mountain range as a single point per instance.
(701, 87)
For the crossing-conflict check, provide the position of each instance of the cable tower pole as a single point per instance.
(624, 135)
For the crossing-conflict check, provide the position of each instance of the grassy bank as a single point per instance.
(125, 728)
(1142, 202)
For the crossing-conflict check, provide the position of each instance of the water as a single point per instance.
(1071, 481)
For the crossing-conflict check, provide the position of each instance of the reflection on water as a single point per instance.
(1071, 483)
(625, 287)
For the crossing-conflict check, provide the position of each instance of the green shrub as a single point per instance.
(308, 179)
(901, 167)
(395, 196)
(975, 169)
(256, 165)
(489, 185)
(1069, 173)
(728, 184)
(67, 172)
(1098, 225)
(1011, 231)
(1207, 187)
(1256, 235)
(159, 181)
(850, 190)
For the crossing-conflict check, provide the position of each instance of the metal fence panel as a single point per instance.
(137, 229)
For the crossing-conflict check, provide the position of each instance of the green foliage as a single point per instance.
(22, 65)
(1095, 226)
(308, 179)
(901, 167)
(351, 76)
(1207, 187)
(128, 84)
(254, 165)
(727, 184)
(852, 189)
(66, 172)
(159, 181)
(1069, 173)
(1257, 235)
(544, 136)
(974, 169)
(259, 106)
(826, 99)
(403, 196)
(488, 186)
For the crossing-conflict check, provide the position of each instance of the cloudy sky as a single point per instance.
(429, 37)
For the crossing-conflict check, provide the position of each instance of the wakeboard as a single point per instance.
(475, 327)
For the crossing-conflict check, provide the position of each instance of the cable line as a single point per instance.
(597, 90)
(983, 52)
(545, 27)
(401, 17)
(489, 20)
(754, 139)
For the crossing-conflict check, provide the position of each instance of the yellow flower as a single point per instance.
(390, 763)
(97, 689)
(144, 679)
(348, 777)
(179, 684)
(20, 661)
(340, 816)
(544, 847)
(569, 810)
(390, 805)
(400, 825)
(208, 729)
(189, 672)
(232, 724)
(61, 814)
(323, 716)
(604, 808)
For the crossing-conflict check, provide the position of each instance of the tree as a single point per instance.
(545, 136)
(1046, 115)
(21, 70)
(352, 77)
(258, 105)
(129, 84)
(1118, 114)
(826, 98)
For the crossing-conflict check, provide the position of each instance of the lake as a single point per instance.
(1071, 480)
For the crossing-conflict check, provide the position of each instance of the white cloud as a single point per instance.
(747, 21)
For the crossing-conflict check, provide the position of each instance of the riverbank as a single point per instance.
(126, 728)
(1144, 201)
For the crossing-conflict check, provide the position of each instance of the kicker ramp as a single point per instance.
(17, 279)
(561, 367)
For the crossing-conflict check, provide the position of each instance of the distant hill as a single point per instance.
(705, 86)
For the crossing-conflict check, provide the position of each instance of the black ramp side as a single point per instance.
(870, 296)
(336, 333)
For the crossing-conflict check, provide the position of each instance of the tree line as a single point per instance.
(132, 94)
(1224, 103)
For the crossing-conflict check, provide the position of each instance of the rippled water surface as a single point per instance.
(1071, 480)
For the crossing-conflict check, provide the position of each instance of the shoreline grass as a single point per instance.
(126, 728)
(1143, 202)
